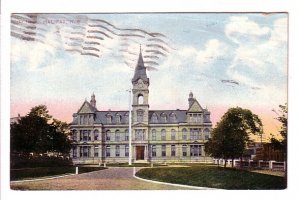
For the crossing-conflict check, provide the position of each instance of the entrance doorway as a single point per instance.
(140, 150)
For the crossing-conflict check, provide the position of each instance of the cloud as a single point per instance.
(262, 63)
(241, 29)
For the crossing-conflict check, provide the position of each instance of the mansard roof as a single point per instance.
(180, 116)
(140, 70)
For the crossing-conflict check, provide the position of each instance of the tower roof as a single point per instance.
(140, 70)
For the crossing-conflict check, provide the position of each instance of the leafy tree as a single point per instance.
(232, 134)
(281, 144)
(38, 132)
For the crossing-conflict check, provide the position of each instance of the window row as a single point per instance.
(140, 135)
(198, 118)
(195, 150)
(86, 119)
(90, 151)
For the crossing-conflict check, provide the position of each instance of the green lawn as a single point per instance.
(29, 173)
(214, 177)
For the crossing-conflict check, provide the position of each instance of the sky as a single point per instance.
(225, 59)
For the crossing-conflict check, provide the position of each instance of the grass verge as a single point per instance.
(214, 177)
(42, 172)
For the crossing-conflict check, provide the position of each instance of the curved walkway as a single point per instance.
(108, 179)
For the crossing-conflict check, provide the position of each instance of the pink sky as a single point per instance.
(63, 111)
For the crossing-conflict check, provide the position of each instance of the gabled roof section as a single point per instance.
(195, 107)
(87, 108)
(140, 70)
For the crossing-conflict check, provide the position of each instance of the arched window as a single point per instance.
(117, 136)
(153, 134)
(163, 134)
(140, 99)
(96, 135)
(184, 134)
(173, 134)
(107, 135)
(126, 135)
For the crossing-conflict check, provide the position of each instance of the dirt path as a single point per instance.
(109, 179)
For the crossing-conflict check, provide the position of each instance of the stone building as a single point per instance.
(157, 135)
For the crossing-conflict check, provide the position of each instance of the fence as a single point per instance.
(251, 164)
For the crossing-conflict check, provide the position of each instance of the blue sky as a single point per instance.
(205, 48)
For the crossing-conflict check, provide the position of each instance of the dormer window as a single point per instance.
(164, 118)
(118, 118)
(126, 118)
(173, 117)
(108, 119)
(154, 118)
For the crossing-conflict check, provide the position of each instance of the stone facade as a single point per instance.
(157, 135)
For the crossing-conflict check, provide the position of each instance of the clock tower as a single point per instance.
(140, 93)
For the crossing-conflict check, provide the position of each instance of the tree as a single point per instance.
(38, 132)
(281, 144)
(232, 134)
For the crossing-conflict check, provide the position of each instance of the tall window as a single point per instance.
(74, 149)
(173, 150)
(140, 134)
(184, 150)
(117, 135)
(85, 135)
(126, 135)
(117, 151)
(96, 151)
(126, 150)
(107, 136)
(184, 134)
(74, 135)
(107, 151)
(206, 134)
(195, 134)
(153, 150)
(140, 115)
(173, 134)
(96, 135)
(163, 150)
(163, 134)
(140, 99)
(195, 150)
(86, 151)
(153, 134)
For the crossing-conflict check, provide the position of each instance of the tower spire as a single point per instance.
(140, 69)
